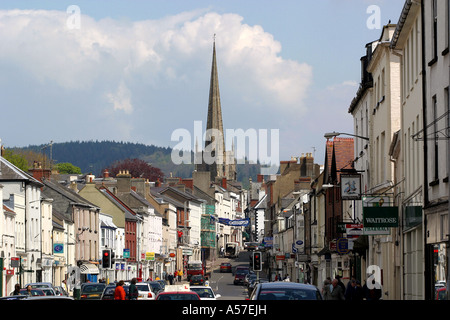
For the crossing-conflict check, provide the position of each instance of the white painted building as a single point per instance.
(407, 151)
(22, 186)
(385, 119)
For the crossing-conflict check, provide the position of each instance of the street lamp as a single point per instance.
(330, 135)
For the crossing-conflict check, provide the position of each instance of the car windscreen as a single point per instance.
(242, 271)
(203, 292)
(142, 287)
(93, 288)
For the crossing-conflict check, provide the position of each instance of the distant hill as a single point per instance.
(94, 156)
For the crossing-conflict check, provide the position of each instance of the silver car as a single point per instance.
(285, 291)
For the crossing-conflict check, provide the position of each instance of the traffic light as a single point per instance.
(106, 259)
(257, 265)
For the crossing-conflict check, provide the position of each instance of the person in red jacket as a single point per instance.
(119, 293)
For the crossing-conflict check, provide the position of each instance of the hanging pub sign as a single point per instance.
(351, 186)
(378, 213)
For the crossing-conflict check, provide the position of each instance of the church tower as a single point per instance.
(221, 163)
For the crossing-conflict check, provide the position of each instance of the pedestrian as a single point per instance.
(359, 294)
(180, 275)
(337, 293)
(350, 284)
(133, 291)
(350, 292)
(29, 291)
(340, 283)
(286, 278)
(16, 291)
(170, 278)
(176, 275)
(326, 293)
(119, 293)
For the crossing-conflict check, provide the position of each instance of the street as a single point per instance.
(222, 283)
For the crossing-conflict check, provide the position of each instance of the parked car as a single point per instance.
(197, 280)
(40, 285)
(248, 277)
(239, 274)
(441, 293)
(253, 283)
(178, 295)
(225, 267)
(162, 283)
(92, 291)
(60, 291)
(108, 292)
(156, 287)
(145, 291)
(285, 291)
(34, 292)
(205, 292)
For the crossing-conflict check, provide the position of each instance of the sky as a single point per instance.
(138, 71)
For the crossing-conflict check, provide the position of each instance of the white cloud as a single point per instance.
(140, 68)
(121, 99)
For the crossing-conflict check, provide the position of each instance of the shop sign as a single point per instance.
(380, 217)
(150, 256)
(351, 187)
(342, 245)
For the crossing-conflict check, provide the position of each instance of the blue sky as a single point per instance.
(138, 70)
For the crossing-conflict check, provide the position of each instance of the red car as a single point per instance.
(178, 295)
(441, 293)
(225, 267)
(240, 273)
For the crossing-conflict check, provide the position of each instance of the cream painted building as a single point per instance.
(407, 151)
(383, 253)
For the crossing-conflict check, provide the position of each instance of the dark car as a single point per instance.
(252, 284)
(178, 295)
(240, 273)
(225, 267)
(108, 292)
(156, 287)
(197, 280)
(92, 291)
(285, 291)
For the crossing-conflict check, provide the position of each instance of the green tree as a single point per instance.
(16, 159)
(67, 168)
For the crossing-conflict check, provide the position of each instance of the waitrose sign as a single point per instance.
(380, 217)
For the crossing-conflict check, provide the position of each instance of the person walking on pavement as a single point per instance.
(133, 291)
(336, 291)
(16, 291)
(180, 275)
(340, 283)
(175, 274)
(326, 293)
(350, 292)
(119, 293)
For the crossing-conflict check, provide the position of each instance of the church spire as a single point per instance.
(214, 126)
(214, 106)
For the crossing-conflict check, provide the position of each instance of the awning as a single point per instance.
(89, 268)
